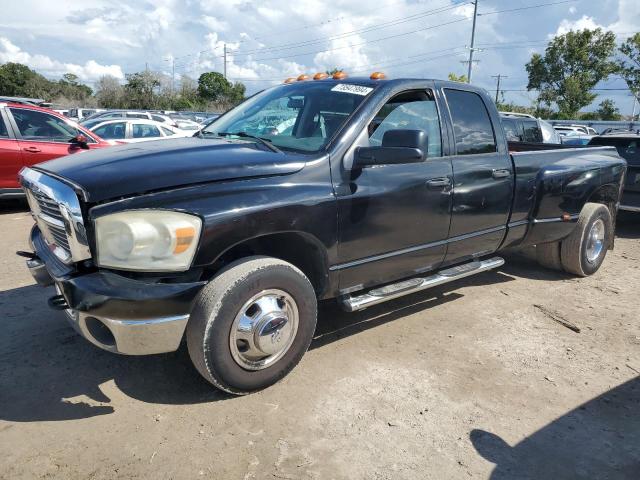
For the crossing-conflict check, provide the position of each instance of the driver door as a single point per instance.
(394, 219)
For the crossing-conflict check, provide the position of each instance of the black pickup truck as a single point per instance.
(357, 189)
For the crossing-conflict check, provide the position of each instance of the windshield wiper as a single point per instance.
(264, 141)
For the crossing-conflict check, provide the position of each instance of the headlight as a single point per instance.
(148, 240)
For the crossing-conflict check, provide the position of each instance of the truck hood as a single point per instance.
(136, 168)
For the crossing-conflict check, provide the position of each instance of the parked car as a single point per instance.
(229, 238)
(30, 135)
(188, 125)
(576, 139)
(581, 129)
(522, 127)
(628, 146)
(116, 114)
(134, 131)
(79, 114)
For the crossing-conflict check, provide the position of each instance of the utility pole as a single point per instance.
(473, 38)
(225, 61)
(173, 74)
(633, 113)
(499, 77)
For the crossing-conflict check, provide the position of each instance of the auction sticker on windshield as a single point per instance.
(349, 88)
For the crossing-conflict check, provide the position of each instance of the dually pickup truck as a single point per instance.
(356, 189)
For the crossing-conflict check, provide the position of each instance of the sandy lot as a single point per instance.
(470, 380)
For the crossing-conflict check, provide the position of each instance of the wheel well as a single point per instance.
(299, 249)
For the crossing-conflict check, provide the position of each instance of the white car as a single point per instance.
(580, 129)
(188, 125)
(136, 130)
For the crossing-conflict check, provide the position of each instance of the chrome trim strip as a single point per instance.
(395, 253)
(554, 219)
(69, 205)
(519, 223)
(629, 208)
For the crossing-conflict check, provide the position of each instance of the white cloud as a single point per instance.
(584, 22)
(91, 70)
(215, 24)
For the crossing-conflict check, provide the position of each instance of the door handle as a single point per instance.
(32, 149)
(501, 173)
(439, 182)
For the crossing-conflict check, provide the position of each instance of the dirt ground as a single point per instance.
(469, 380)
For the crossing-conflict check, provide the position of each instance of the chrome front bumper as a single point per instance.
(116, 313)
(130, 337)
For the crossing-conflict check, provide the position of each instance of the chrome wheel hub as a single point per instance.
(264, 329)
(595, 240)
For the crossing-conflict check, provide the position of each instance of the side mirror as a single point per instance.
(79, 141)
(398, 147)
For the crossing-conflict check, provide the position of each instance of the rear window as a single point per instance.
(532, 132)
(472, 126)
(512, 130)
(628, 148)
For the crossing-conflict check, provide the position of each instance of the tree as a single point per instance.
(458, 78)
(333, 71)
(572, 65)
(213, 86)
(629, 67)
(70, 78)
(141, 89)
(19, 80)
(607, 111)
(109, 92)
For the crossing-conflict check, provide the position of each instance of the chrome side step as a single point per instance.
(353, 303)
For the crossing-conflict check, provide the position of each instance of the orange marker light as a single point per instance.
(320, 76)
(303, 77)
(566, 217)
(377, 76)
(184, 237)
(339, 75)
(290, 80)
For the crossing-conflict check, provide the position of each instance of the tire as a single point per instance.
(574, 250)
(548, 255)
(213, 324)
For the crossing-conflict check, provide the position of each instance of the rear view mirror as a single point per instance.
(398, 147)
(79, 141)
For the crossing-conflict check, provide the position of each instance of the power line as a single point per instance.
(508, 10)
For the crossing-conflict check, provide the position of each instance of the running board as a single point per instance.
(382, 294)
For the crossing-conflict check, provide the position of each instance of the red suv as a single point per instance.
(31, 134)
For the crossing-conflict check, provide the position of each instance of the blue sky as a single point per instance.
(270, 40)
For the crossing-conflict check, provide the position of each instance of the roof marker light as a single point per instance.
(303, 77)
(339, 75)
(290, 80)
(377, 76)
(320, 76)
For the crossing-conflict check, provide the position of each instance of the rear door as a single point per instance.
(482, 177)
(42, 136)
(10, 156)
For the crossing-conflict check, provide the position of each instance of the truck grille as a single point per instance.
(56, 209)
(53, 220)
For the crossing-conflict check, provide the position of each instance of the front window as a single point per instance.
(43, 127)
(143, 130)
(300, 116)
(111, 131)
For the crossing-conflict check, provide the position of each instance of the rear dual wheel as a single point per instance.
(583, 252)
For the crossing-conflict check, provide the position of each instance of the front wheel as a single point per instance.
(252, 324)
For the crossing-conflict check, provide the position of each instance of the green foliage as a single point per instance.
(143, 90)
(607, 110)
(458, 78)
(333, 71)
(572, 65)
(629, 67)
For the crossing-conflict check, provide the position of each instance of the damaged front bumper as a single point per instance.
(116, 313)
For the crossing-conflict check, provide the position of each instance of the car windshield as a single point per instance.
(300, 116)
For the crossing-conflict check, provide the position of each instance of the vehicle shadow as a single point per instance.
(628, 225)
(599, 439)
(13, 206)
(49, 373)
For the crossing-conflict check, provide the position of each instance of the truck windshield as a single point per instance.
(301, 116)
